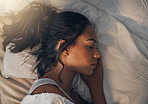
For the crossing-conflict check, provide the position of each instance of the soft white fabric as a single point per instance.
(45, 98)
(20, 65)
(122, 27)
(123, 43)
(81, 88)
(13, 64)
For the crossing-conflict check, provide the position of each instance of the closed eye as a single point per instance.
(90, 47)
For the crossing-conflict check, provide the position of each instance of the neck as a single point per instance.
(66, 77)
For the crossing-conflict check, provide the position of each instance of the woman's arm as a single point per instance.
(95, 84)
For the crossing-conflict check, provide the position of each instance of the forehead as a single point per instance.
(89, 33)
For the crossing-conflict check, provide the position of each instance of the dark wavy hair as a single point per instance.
(44, 25)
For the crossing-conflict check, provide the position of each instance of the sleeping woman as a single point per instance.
(67, 46)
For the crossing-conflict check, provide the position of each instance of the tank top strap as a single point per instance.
(40, 82)
(43, 81)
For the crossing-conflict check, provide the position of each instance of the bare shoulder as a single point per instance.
(48, 88)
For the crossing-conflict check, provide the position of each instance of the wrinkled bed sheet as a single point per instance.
(122, 30)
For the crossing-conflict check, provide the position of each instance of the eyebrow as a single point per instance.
(92, 40)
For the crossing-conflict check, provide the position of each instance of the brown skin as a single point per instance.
(95, 84)
(82, 57)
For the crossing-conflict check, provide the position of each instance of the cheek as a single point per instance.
(81, 56)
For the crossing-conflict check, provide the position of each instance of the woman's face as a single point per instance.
(82, 56)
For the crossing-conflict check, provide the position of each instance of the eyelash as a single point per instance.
(90, 47)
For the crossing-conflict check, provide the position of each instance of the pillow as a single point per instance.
(122, 34)
(18, 70)
(13, 90)
(13, 63)
(20, 65)
(19, 74)
(1, 54)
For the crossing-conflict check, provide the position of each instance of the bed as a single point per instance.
(122, 30)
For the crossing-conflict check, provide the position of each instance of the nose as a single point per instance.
(97, 54)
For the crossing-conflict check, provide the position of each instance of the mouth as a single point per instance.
(94, 65)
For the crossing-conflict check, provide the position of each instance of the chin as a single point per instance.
(89, 73)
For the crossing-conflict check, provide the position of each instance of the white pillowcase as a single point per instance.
(13, 63)
(20, 65)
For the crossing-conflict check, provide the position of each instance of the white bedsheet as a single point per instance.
(122, 29)
(45, 98)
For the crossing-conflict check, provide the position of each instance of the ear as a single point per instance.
(59, 44)
(66, 51)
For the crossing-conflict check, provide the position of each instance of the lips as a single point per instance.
(94, 65)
